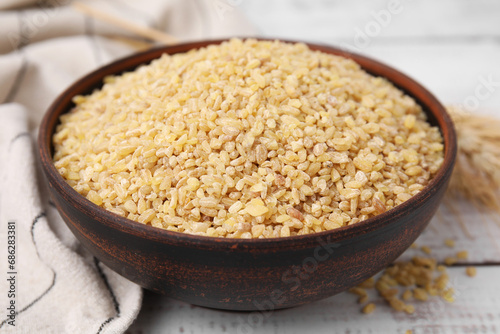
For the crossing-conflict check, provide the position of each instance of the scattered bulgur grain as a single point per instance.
(448, 295)
(442, 281)
(462, 255)
(419, 279)
(426, 249)
(471, 271)
(389, 293)
(431, 290)
(369, 308)
(450, 260)
(410, 309)
(397, 304)
(368, 284)
(450, 243)
(407, 295)
(358, 291)
(272, 125)
(424, 262)
(420, 294)
(363, 299)
(476, 174)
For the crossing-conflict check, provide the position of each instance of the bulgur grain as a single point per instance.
(471, 271)
(369, 308)
(410, 309)
(407, 295)
(426, 249)
(397, 304)
(247, 131)
(462, 255)
(450, 243)
(413, 279)
(448, 295)
(362, 299)
(368, 284)
(450, 260)
(420, 294)
(441, 268)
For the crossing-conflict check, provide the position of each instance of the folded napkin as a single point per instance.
(49, 282)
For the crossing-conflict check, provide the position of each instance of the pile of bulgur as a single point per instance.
(247, 139)
(416, 280)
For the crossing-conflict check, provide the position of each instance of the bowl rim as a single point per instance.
(93, 79)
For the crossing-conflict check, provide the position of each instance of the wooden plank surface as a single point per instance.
(451, 47)
(479, 235)
(476, 310)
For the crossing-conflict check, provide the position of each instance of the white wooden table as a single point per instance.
(452, 47)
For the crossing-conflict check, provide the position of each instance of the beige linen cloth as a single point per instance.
(44, 47)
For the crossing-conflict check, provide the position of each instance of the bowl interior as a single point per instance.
(436, 116)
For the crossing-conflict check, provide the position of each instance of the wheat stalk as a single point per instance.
(477, 171)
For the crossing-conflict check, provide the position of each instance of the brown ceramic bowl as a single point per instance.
(246, 274)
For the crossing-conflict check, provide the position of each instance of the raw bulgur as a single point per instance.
(369, 308)
(247, 139)
(413, 279)
(450, 243)
(471, 271)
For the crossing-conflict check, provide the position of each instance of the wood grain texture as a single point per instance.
(476, 310)
(480, 236)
